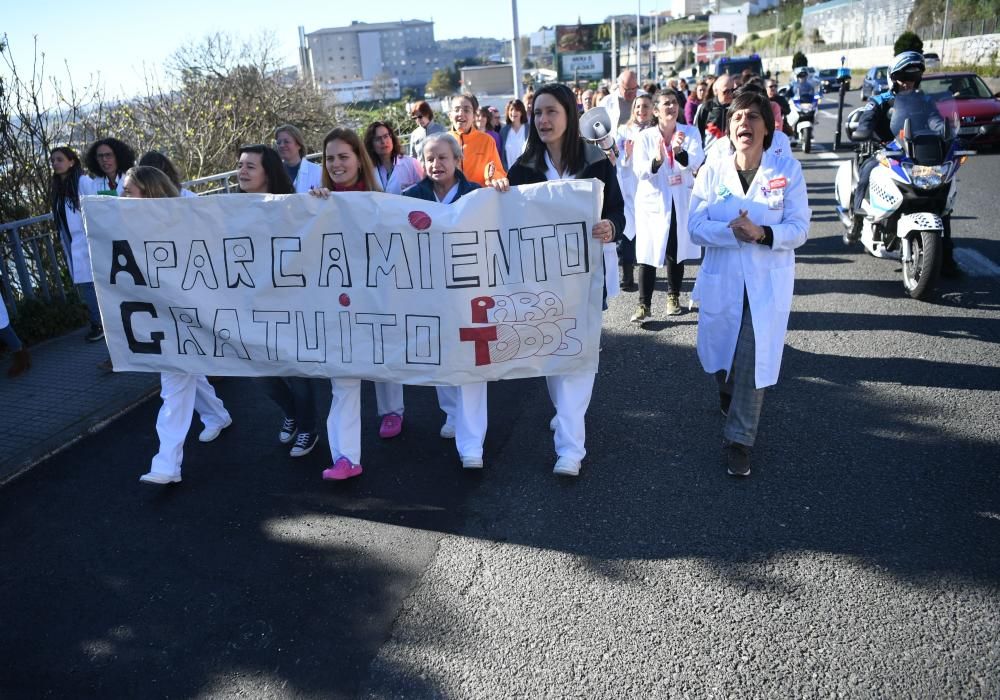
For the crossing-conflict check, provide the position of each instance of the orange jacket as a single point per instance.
(479, 150)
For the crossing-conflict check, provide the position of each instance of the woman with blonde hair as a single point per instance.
(182, 393)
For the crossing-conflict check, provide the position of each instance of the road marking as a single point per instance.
(975, 263)
(830, 155)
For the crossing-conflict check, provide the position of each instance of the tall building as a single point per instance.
(381, 53)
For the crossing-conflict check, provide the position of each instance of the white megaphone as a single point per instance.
(595, 127)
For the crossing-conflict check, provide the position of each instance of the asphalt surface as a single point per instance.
(861, 558)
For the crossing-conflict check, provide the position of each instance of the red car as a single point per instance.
(966, 95)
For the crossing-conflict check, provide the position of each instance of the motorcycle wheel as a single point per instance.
(921, 271)
(807, 141)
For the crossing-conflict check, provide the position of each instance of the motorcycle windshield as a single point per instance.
(921, 110)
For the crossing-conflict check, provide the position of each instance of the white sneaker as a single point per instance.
(160, 478)
(448, 431)
(472, 462)
(566, 466)
(554, 423)
(209, 434)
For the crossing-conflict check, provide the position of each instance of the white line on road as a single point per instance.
(975, 263)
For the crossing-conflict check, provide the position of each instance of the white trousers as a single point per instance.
(570, 394)
(388, 398)
(343, 425)
(182, 395)
(465, 409)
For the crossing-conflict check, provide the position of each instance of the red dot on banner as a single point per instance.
(345, 300)
(419, 220)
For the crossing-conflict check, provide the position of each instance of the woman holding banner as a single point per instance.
(464, 406)
(182, 394)
(261, 171)
(555, 151)
(348, 168)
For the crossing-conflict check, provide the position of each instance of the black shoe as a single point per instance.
(96, 333)
(854, 234)
(724, 401)
(737, 458)
(628, 286)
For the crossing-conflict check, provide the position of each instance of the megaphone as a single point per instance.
(595, 127)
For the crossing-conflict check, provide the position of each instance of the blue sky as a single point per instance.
(120, 41)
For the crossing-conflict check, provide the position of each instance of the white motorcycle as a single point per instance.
(802, 118)
(911, 195)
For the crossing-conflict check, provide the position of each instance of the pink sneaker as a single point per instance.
(392, 425)
(342, 469)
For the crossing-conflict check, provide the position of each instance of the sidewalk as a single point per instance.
(63, 397)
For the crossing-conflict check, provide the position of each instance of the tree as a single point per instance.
(908, 41)
(799, 59)
(441, 83)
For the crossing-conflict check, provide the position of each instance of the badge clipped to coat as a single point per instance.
(775, 193)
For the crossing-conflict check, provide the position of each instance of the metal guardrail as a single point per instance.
(33, 266)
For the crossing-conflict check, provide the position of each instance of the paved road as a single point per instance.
(860, 559)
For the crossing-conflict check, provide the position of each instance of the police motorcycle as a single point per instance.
(803, 99)
(911, 195)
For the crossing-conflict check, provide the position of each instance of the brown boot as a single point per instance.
(21, 363)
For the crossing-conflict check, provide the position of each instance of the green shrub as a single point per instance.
(39, 320)
(908, 41)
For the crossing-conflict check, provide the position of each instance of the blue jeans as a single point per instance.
(89, 297)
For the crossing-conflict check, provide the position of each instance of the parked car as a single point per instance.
(876, 81)
(968, 97)
(932, 61)
(828, 79)
(961, 95)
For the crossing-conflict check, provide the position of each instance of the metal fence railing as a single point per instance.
(33, 263)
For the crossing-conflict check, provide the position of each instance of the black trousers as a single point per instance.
(675, 270)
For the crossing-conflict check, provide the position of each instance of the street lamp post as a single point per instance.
(516, 51)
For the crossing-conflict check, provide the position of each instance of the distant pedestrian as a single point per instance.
(291, 146)
(182, 393)
(514, 134)
(484, 122)
(68, 183)
(108, 160)
(423, 115)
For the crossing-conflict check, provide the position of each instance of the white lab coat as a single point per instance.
(627, 180)
(310, 175)
(654, 194)
(767, 273)
(74, 239)
(405, 174)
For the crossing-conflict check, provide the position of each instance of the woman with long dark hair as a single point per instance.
(555, 151)
(261, 171)
(182, 394)
(68, 183)
(514, 134)
(155, 159)
(395, 171)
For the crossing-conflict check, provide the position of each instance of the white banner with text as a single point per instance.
(368, 285)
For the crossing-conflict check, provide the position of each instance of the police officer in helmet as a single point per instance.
(883, 118)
